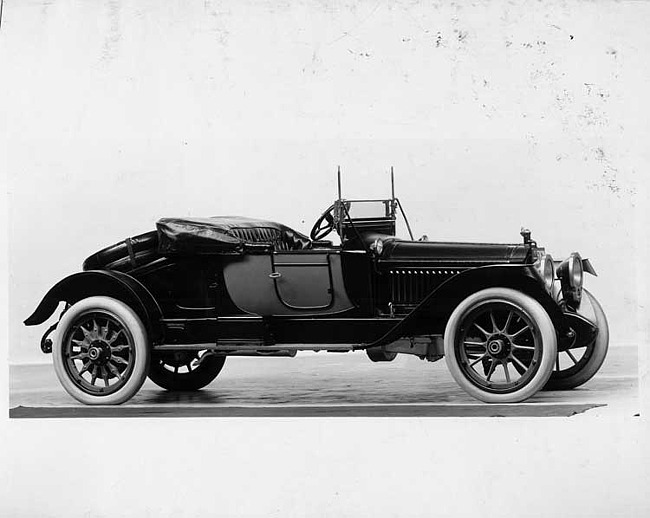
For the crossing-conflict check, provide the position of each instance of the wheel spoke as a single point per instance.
(114, 336)
(176, 369)
(95, 331)
(470, 342)
(80, 343)
(557, 363)
(528, 347)
(525, 328)
(491, 371)
(505, 368)
(477, 360)
(86, 333)
(495, 328)
(104, 333)
(93, 375)
(84, 368)
(118, 348)
(114, 370)
(203, 356)
(79, 356)
(119, 359)
(505, 328)
(518, 362)
(573, 358)
(105, 376)
(487, 335)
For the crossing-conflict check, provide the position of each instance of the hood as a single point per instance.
(452, 253)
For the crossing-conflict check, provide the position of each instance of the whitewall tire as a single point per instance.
(500, 345)
(575, 367)
(101, 351)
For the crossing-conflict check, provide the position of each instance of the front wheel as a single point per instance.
(574, 367)
(500, 345)
(101, 351)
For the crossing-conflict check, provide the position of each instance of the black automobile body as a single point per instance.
(175, 302)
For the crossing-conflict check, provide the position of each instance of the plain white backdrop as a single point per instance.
(495, 115)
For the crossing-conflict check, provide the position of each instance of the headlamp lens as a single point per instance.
(546, 269)
(570, 273)
(549, 272)
(378, 246)
(576, 272)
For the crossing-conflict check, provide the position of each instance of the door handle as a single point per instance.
(275, 275)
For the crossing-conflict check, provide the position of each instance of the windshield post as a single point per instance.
(405, 220)
(339, 180)
(338, 214)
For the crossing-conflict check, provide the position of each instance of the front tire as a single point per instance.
(500, 345)
(101, 351)
(575, 368)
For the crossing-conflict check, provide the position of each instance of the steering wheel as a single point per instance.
(324, 225)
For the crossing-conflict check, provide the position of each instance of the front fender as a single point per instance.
(101, 282)
(431, 315)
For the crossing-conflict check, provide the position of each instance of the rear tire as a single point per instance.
(185, 371)
(101, 351)
(500, 345)
(377, 354)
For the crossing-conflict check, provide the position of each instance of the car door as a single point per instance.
(303, 278)
(288, 283)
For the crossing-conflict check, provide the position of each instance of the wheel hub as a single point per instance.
(498, 347)
(495, 346)
(99, 352)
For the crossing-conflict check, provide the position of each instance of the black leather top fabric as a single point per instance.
(224, 234)
(143, 249)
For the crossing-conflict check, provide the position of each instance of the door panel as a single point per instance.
(303, 280)
(254, 287)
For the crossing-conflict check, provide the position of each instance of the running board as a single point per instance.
(275, 330)
(257, 346)
(430, 347)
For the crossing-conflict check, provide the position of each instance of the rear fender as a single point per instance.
(431, 315)
(101, 282)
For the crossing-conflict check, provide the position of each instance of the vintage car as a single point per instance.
(172, 304)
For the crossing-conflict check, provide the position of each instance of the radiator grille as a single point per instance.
(410, 286)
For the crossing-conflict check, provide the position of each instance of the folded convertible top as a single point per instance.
(224, 234)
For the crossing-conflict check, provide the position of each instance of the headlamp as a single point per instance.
(571, 275)
(546, 269)
(378, 246)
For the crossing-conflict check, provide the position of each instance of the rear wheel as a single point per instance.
(101, 351)
(185, 370)
(575, 367)
(377, 354)
(500, 345)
